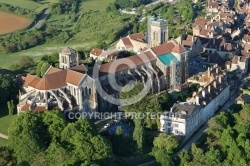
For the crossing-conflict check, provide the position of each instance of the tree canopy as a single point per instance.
(47, 139)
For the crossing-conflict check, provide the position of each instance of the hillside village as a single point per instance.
(214, 58)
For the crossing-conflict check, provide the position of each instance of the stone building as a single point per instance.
(185, 118)
(74, 87)
(157, 31)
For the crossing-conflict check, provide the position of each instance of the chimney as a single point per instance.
(217, 70)
(203, 93)
(208, 72)
(197, 100)
(214, 83)
(209, 89)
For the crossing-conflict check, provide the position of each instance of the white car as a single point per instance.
(107, 125)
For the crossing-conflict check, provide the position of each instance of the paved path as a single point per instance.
(4, 136)
(40, 21)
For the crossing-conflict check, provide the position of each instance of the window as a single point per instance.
(169, 124)
(176, 132)
(176, 125)
(169, 130)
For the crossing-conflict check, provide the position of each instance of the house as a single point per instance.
(243, 99)
(246, 39)
(133, 42)
(182, 119)
(101, 55)
(213, 7)
(225, 49)
(205, 78)
(239, 63)
(191, 43)
(185, 118)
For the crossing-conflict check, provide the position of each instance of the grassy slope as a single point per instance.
(6, 60)
(27, 4)
(5, 120)
(3, 142)
(95, 4)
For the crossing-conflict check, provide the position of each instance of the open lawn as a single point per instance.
(5, 120)
(10, 22)
(95, 4)
(28, 4)
(6, 60)
(3, 142)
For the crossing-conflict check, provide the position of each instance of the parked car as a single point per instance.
(107, 125)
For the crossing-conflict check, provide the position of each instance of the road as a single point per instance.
(4, 136)
(40, 21)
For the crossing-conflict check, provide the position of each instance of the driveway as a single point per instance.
(40, 21)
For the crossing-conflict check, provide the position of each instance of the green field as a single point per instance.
(95, 4)
(5, 120)
(27, 4)
(6, 60)
(3, 142)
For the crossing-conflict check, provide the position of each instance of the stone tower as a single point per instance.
(68, 58)
(157, 31)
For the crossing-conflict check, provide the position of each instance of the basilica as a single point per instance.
(73, 86)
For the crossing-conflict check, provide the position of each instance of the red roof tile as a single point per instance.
(178, 49)
(28, 79)
(163, 49)
(96, 51)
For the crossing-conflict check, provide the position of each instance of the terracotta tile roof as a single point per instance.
(39, 109)
(34, 82)
(178, 49)
(198, 27)
(204, 32)
(163, 49)
(52, 70)
(137, 36)
(80, 68)
(126, 63)
(246, 38)
(127, 42)
(52, 81)
(28, 79)
(187, 43)
(96, 51)
(74, 77)
(213, 4)
(25, 107)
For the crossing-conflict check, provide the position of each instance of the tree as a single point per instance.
(11, 107)
(164, 146)
(138, 134)
(26, 61)
(6, 157)
(147, 105)
(163, 158)
(165, 142)
(8, 88)
(26, 130)
(47, 139)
